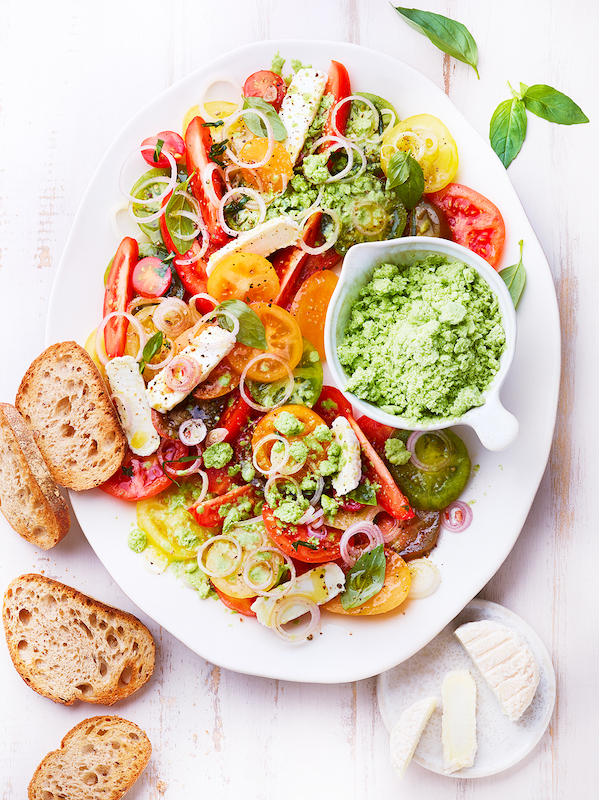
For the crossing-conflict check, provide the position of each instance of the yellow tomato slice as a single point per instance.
(220, 553)
(159, 522)
(310, 307)
(284, 339)
(216, 108)
(244, 276)
(277, 171)
(309, 419)
(394, 591)
(430, 143)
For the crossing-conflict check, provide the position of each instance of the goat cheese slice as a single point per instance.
(208, 349)
(129, 393)
(350, 473)
(407, 732)
(504, 661)
(319, 584)
(458, 722)
(262, 240)
(299, 108)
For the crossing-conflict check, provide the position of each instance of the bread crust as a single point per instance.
(29, 497)
(63, 399)
(67, 646)
(98, 759)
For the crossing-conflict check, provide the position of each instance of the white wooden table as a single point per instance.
(71, 74)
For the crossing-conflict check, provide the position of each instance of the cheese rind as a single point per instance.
(504, 661)
(127, 383)
(458, 722)
(299, 107)
(407, 731)
(262, 240)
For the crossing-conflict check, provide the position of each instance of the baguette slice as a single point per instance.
(99, 759)
(29, 497)
(63, 399)
(68, 646)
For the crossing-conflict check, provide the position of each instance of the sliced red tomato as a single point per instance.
(267, 85)
(193, 274)
(289, 261)
(171, 141)
(140, 477)
(331, 404)
(473, 220)
(219, 480)
(240, 604)
(389, 496)
(338, 85)
(376, 433)
(206, 512)
(288, 537)
(118, 294)
(151, 277)
(235, 418)
(198, 142)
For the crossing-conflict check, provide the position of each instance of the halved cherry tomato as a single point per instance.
(142, 476)
(277, 171)
(171, 142)
(309, 419)
(244, 276)
(151, 277)
(332, 404)
(284, 339)
(198, 142)
(338, 85)
(376, 433)
(118, 294)
(430, 143)
(394, 591)
(475, 222)
(310, 305)
(240, 604)
(389, 495)
(235, 418)
(206, 512)
(267, 85)
(287, 538)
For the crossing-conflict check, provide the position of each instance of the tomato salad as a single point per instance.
(253, 481)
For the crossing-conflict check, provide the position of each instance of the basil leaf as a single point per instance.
(365, 579)
(299, 542)
(151, 347)
(508, 129)
(364, 493)
(251, 330)
(158, 150)
(255, 124)
(179, 226)
(447, 34)
(547, 103)
(404, 174)
(515, 278)
(216, 124)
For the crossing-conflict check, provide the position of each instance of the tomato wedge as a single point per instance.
(475, 222)
(389, 496)
(235, 418)
(338, 85)
(140, 477)
(198, 142)
(206, 512)
(118, 294)
(240, 604)
(332, 404)
(288, 537)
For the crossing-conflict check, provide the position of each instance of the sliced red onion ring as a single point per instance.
(320, 532)
(411, 446)
(377, 139)
(261, 588)
(311, 209)
(208, 184)
(225, 199)
(182, 374)
(339, 141)
(318, 493)
(218, 312)
(140, 302)
(274, 478)
(210, 543)
(216, 436)
(171, 316)
(99, 340)
(271, 139)
(288, 391)
(278, 618)
(330, 240)
(172, 182)
(190, 468)
(274, 467)
(350, 554)
(204, 491)
(202, 102)
(311, 516)
(456, 517)
(192, 432)
(123, 409)
(234, 168)
(358, 99)
(184, 262)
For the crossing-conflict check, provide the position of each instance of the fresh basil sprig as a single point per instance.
(547, 103)
(255, 124)
(515, 278)
(251, 329)
(508, 129)
(151, 348)
(158, 150)
(365, 493)
(404, 174)
(448, 35)
(365, 578)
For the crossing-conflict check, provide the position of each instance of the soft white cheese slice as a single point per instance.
(350, 473)
(407, 732)
(458, 722)
(262, 240)
(319, 585)
(299, 107)
(127, 385)
(208, 349)
(505, 662)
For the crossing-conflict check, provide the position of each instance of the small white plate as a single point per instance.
(501, 742)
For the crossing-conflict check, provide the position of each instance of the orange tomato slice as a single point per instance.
(309, 419)
(244, 276)
(310, 306)
(274, 174)
(394, 591)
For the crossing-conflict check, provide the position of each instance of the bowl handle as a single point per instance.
(496, 428)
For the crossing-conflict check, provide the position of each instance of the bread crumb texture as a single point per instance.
(68, 646)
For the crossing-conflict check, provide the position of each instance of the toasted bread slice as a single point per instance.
(29, 498)
(63, 399)
(68, 646)
(99, 759)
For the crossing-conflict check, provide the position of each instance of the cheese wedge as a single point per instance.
(299, 107)
(458, 723)
(349, 475)
(407, 732)
(264, 239)
(504, 661)
(128, 387)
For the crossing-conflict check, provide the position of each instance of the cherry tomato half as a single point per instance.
(171, 142)
(267, 85)
(142, 476)
(151, 277)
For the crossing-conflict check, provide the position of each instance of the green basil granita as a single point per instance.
(424, 341)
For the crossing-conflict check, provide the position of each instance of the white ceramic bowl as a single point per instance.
(496, 427)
